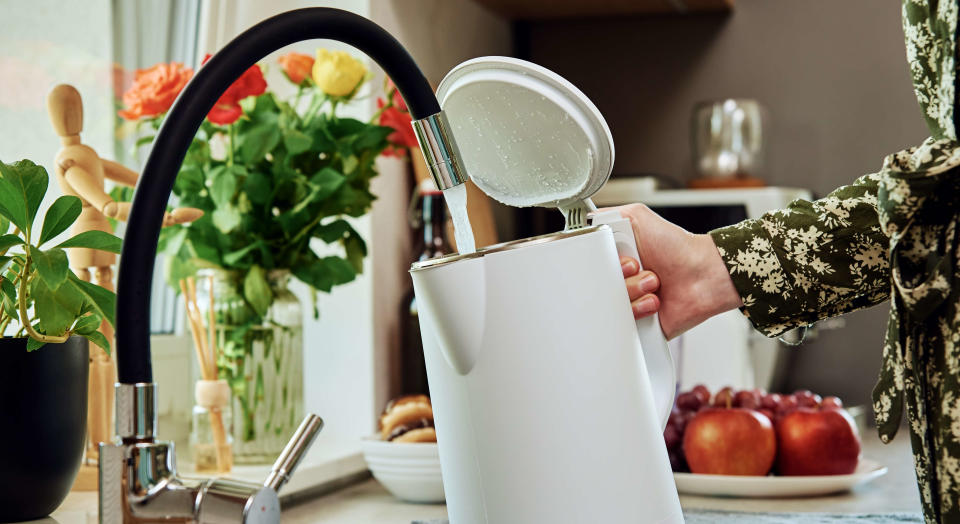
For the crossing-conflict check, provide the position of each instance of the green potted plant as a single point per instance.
(276, 177)
(47, 315)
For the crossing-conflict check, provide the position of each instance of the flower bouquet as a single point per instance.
(274, 176)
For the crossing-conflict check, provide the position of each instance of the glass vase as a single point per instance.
(260, 358)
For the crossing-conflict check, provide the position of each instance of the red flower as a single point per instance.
(154, 90)
(397, 117)
(227, 109)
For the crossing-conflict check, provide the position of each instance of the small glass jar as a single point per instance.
(211, 441)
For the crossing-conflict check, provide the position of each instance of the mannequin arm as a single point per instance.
(88, 188)
(119, 173)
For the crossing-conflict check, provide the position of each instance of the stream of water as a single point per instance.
(456, 198)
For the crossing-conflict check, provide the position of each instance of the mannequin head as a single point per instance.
(66, 110)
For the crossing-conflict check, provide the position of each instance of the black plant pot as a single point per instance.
(43, 424)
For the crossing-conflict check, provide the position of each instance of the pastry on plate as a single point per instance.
(408, 419)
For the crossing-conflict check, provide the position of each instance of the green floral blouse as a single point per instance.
(889, 235)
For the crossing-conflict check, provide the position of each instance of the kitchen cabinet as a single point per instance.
(543, 9)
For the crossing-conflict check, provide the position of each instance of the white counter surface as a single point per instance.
(368, 503)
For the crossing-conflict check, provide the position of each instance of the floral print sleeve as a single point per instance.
(893, 234)
(810, 261)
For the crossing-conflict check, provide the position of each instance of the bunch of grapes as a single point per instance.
(772, 405)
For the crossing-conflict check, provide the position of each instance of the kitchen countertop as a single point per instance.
(367, 502)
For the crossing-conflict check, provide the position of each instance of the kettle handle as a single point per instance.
(656, 353)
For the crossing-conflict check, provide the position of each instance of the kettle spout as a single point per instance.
(451, 300)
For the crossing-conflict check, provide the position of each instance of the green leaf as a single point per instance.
(59, 217)
(226, 219)
(51, 265)
(223, 187)
(56, 308)
(178, 269)
(326, 182)
(26, 185)
(350, 163)
(34, 344)
(234, 257)
(171, 239)
(4, 224)
(12, 206)
(9, 298)
(257, 142)
(103, 301)
(355, 249)
(98, 339)
(324, 273)
(87, 324)
(373, 137)
(296, 141)
(258, 188)
(340, 269)
(257, 291)
(8, 241)
(94, 240)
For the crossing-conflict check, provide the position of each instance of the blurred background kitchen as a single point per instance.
(830, 77)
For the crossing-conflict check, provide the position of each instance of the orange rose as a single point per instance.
(297, 66)
(154, 90)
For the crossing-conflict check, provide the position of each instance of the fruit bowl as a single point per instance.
(774, 486)
(409, 471)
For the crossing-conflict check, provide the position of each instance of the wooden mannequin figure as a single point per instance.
(81, 172)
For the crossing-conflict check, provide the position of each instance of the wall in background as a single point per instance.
(439, 34)
(833, 75)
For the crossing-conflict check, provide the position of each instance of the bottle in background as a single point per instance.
(413, 372)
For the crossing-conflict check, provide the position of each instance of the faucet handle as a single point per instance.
(294, 452)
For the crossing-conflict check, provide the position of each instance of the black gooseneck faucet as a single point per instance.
(138, 479)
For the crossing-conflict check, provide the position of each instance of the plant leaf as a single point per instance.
(297, 141)
(231, 259)
(103, 301)
(258, 188)
(59, 217)
(12, 206)
(87, 324)
(51, 265)
(9, 298)
(257, 291)
(27, 185)
(226, 218)
(56, 308)
(326, 182)
(8, 241)
(98, 339)
(258, 141)
(356, 249)
(34, 344)
(94, 240)
(223, 187)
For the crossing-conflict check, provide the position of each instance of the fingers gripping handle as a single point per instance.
(656, 354)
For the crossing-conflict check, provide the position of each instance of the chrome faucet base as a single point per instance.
(139, 481)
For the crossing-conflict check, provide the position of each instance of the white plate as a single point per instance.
(773, 486)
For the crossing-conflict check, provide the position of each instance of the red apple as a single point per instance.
(817, 442)
(733, 441)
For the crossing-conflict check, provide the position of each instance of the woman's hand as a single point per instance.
(692, 279)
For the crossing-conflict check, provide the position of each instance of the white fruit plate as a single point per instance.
(774, 486)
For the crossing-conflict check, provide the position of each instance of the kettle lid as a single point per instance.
(527, 136)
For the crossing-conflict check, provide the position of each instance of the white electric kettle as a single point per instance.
(549, 399)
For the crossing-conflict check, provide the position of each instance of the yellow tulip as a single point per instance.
(337, 73)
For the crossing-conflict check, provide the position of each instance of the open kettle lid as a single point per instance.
(527, 136)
